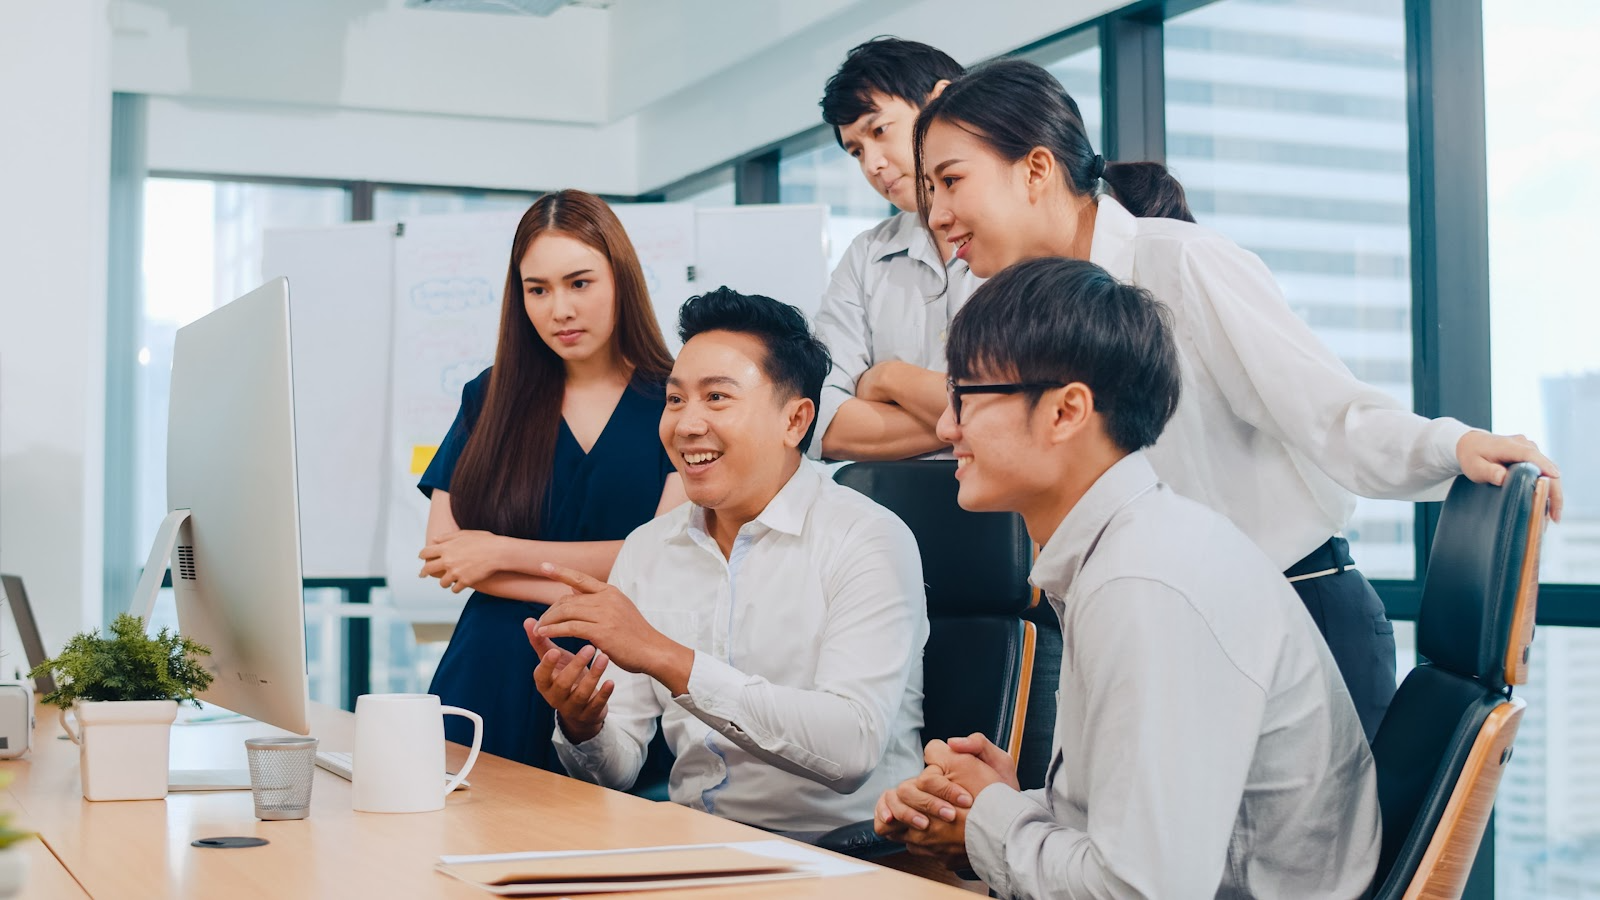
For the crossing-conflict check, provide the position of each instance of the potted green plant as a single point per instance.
(13, 862)
(124, 691)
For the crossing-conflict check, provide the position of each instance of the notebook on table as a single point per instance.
(644, 869)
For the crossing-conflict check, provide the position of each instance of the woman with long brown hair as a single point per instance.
(554, 457)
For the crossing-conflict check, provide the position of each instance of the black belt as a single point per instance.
(1331, 558)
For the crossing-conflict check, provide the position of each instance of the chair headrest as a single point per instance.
(973, 563)
(1478, 565)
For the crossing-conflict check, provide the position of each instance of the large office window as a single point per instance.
(202, 248)
(1075, 62)
(826, 174)
(1542, 99)
(711, 189)
(1286, 123)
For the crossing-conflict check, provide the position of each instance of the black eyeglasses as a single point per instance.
(957, 391)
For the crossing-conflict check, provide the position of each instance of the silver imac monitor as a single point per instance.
(233, 536)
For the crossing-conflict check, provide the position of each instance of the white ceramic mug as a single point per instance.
(398, 762)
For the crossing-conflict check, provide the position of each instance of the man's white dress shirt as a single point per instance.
(1205, 744)
(1272, 429)
(805, 698)
(891, 298)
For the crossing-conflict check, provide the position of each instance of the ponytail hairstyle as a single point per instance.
(1013, 106)
(501, 480)
(1147, 190)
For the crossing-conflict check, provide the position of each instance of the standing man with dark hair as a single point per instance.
(892, 297)
(775, 623)
(1205, 742)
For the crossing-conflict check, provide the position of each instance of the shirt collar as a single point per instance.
(909, 237)
(1111, 248)
(785, 512)
(1062, 557)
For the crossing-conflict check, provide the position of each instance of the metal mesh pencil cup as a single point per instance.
(280, 775)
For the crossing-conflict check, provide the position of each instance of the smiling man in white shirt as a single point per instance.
(1205, 743)
(775, 623)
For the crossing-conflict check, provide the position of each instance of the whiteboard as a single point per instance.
(387, 330)
(776, 250)
(449, 282)
(340, 288)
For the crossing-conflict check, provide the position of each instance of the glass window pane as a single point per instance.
(392, 204)
(826, 174)
(1075, 62)
(715, 189)
(202, 248)
(1405, 648)
(1547, 813)
(1542, 98)
(1286, 123)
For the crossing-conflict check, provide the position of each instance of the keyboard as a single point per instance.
(339, 764)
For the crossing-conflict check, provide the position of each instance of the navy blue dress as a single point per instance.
(601, 495)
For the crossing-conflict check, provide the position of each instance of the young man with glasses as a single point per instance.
(1205, 743)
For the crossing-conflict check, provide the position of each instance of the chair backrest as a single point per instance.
(1445, 739)
(978, 663)
(973, 563)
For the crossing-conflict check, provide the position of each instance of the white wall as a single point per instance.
(304, 142)
(770, 97)
(621, 100)
(55, 101)
(661, 46)
(366, 54)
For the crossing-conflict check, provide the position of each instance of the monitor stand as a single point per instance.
(144, 604)
(155, 568)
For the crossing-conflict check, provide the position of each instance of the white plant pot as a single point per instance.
(13, 871)
(122, 747)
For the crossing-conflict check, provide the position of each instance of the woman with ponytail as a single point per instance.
(554, 457)
(1272, 429)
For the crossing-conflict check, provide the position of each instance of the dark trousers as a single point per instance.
(1351, 617)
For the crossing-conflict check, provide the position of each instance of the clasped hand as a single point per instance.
(928, 813)
(461, 559)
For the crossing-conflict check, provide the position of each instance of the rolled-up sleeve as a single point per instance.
(842, 327)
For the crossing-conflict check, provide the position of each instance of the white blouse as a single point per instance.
(1272, 429)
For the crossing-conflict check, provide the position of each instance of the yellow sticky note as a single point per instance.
(421, 455)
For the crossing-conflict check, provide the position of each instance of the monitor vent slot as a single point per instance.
(186, 562)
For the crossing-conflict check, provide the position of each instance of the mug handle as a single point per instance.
(477, 742)
(75, 737)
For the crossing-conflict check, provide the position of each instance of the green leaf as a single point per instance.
(128, 665)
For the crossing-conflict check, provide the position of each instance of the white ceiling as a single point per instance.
(581, 65)
(685, 84)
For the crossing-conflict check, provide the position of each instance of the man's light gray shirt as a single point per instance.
(1205, 744)
(888, 299)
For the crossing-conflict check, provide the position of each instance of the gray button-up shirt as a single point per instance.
(888, 299)
(1205, 744)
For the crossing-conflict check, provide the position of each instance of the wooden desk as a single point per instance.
(138, 849)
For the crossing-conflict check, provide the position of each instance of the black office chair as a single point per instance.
(1446, 738)
(975, 567)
